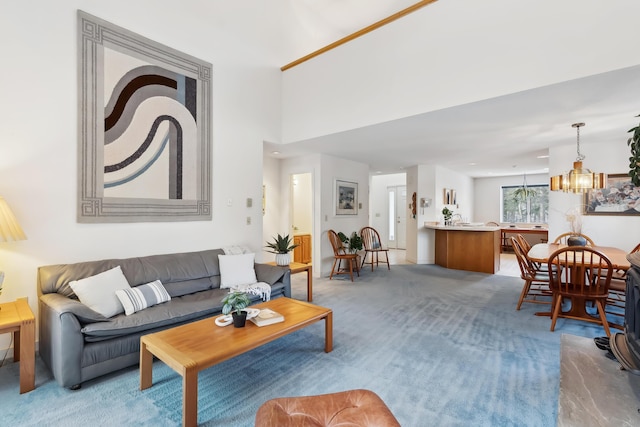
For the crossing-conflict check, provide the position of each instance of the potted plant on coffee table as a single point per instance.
(281, 246)
(235, 303)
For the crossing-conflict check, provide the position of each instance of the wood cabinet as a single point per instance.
(468, 250)
(303, 252)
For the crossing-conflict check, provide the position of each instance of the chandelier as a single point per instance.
(578, 180)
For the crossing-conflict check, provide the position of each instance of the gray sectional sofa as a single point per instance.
(79, 344)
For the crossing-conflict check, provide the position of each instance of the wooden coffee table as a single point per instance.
(190, 348)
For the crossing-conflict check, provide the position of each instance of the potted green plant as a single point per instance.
(281, 246)
(447, 213)
(235, 303)
(353, 242)
(634, 160)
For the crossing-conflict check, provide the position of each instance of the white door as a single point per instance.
(397, 238)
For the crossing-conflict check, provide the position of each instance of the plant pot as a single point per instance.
(283, 259)
(576, 241)
(239, 320)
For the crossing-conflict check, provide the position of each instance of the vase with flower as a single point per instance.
(574, 217)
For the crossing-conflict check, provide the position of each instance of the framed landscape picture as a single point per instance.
(619, 197)
(346, 198)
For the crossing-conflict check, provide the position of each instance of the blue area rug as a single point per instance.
(441, 347)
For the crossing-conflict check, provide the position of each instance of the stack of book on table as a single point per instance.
(267, 317)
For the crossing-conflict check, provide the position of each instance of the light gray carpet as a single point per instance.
(441, 347)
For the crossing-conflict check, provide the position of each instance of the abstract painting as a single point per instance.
(144, 128)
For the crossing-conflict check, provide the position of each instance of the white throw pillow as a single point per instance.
(99, 292)
(140, 297)
(236, 270)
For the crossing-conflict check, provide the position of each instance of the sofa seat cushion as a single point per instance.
(179, 309)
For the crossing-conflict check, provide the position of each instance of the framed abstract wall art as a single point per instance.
(346, 198)
(619, 197)
(144, 128)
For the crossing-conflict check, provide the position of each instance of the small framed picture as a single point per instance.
(346, 198)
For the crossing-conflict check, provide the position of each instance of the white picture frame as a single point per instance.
(346, 197)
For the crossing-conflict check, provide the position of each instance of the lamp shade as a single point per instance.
(578, 179)
(9, 227)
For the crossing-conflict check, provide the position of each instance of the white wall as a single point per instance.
(442, 55)
(39, 143)
(488, 195)
(272, 216)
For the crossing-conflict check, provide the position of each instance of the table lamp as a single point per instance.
(9, 229)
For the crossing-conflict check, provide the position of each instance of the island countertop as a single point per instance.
(462, 227)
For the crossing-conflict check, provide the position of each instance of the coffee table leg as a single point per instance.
(190, 398)
(146, 367)
(328, 332)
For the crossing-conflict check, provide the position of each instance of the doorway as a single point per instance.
(397, 205)
(301, 227)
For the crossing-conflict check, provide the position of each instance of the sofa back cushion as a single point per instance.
(180, 273)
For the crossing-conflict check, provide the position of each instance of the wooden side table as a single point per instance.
(298, 267)
(18, 318)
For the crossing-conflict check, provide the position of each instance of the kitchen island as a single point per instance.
(469, 247)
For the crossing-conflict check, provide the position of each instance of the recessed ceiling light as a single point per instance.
(472, 164)
(378, 171)
(275, 152)
(545, 156)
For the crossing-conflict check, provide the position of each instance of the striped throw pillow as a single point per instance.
(140, 297)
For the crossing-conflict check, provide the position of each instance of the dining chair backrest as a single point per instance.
(370, 238)
(336, 243)
(524, 243)
(583, 271)
(527, 268)
(562, 239)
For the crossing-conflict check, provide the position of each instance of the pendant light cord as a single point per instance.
(577, 126)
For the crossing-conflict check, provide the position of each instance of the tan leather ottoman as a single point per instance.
(347, 408)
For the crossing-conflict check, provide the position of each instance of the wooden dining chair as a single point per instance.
(562, 239)
(536, 282)
(584, 276)
(373, 247)
(340, 254)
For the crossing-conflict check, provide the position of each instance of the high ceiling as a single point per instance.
(507, 135)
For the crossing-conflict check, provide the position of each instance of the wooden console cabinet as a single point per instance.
(302, 253)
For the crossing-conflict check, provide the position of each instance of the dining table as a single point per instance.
(541, 253)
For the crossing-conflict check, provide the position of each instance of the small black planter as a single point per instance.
(239, 320)
(576, 241)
